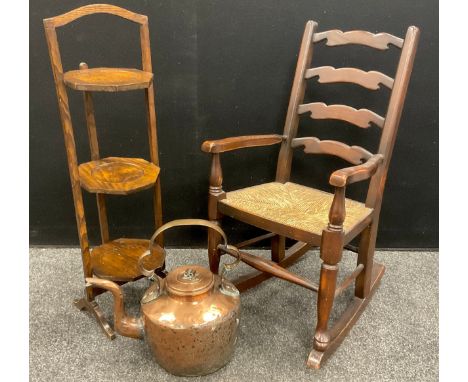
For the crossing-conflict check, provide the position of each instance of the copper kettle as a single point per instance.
(190, 318)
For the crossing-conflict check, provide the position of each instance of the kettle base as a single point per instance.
(198, 351)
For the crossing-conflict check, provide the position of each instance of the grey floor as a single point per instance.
(396, 338)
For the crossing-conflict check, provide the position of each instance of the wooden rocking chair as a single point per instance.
(310, 216)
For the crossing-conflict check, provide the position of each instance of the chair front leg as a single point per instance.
(215, 193)
(331, 250)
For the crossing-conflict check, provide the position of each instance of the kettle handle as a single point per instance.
(171, 224)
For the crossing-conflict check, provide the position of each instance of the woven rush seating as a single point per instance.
(293, 205)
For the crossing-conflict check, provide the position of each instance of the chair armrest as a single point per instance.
(348, 175)
(234, 143)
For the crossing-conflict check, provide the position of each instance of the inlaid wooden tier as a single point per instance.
(108, 79)
(119, 176)
(117, 260)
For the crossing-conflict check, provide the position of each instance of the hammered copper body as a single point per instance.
(189, 319)
(192, 333)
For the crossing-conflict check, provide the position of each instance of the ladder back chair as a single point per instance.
(313, 217)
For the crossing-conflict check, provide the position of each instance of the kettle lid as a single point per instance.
(189, 280)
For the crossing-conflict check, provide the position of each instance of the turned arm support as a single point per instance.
(228, 144)
(340, 179)
(348, 175)
(234, 143)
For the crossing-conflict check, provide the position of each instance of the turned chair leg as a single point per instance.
(331, 250)
(215, 193)
(326, 295)
(330, 253)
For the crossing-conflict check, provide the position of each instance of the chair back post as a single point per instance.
(387, 141)
(393, 116)
(283, 170)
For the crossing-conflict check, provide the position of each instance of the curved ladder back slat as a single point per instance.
(370, 80)
(361, 117)
(352, 154)
(61, 20)
(337, 37)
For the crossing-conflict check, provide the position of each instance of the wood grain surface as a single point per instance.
(108, 79)
(117, 175)
(117, 259)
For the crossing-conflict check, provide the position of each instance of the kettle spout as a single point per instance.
(125, 325)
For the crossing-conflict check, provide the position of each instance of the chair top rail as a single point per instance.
(379, 41)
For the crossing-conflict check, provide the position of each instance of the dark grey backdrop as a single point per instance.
(225, 68)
